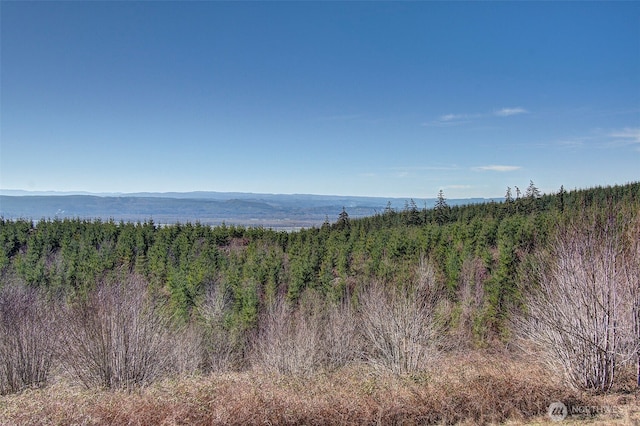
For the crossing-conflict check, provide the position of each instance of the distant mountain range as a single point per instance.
(278, 211)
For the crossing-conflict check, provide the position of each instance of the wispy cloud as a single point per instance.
(600, 139)
(459, 119)
(506, 112)
(497, 168)
(572, 143)
(626, 136)
(451, 117)
(450, 120)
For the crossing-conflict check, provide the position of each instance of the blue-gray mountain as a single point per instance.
(212, 208)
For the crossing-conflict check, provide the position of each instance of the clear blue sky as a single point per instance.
(358, 98)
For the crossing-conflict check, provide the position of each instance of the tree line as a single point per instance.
(459, 276)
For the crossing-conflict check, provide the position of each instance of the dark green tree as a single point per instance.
(441, 209)
(411, 214)
(508, 198)
(343, 220)
(532, 191)
(326, 224)
(560, 198)
(388, 210)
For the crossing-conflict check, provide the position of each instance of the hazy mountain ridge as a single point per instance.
(270, 210)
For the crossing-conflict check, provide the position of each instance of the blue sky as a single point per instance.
(358, 98)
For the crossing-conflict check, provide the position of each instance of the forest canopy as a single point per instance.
(460, 277)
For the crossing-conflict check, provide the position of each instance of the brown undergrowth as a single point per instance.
(470, 389)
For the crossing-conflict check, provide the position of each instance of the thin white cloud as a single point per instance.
(627, 136)
(572, 143)
(600, 139)
(451, 119)
(507, 112)
(497, 168)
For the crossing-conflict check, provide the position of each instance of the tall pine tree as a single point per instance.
(441, 209)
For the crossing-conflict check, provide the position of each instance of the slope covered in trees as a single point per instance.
(480, 246)
(394, 291)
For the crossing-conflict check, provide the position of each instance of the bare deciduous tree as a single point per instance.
(289, 339)
(221, 346)
(471, 298)
(399, 325)
(342, 339)
(632, 284)
(118, 337)
(308, 337)
(26, 338)
(580, 316)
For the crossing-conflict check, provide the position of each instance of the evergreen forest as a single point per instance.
(117, 305)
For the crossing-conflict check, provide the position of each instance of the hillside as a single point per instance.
(392, 293)
(209, 208)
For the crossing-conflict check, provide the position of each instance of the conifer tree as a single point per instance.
(532, 191)
(343, 220)
(561, 195)
(412, 213)
(326, 224)
(532, 196)
(388, 209)
(508, 197)
(441, 209)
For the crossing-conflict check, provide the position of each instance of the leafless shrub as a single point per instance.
(118, 337)
(580, 316)
(290, 339)
(221, 346)
(186, 353)
(399, 324)
(26, 338)
(461, 316)
(343, 341)
(631, 277)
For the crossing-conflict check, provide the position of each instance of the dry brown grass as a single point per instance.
(470, 389)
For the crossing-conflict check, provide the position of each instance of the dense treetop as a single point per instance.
(478, 252)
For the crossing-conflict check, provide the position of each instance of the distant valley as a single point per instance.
(278, 211)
